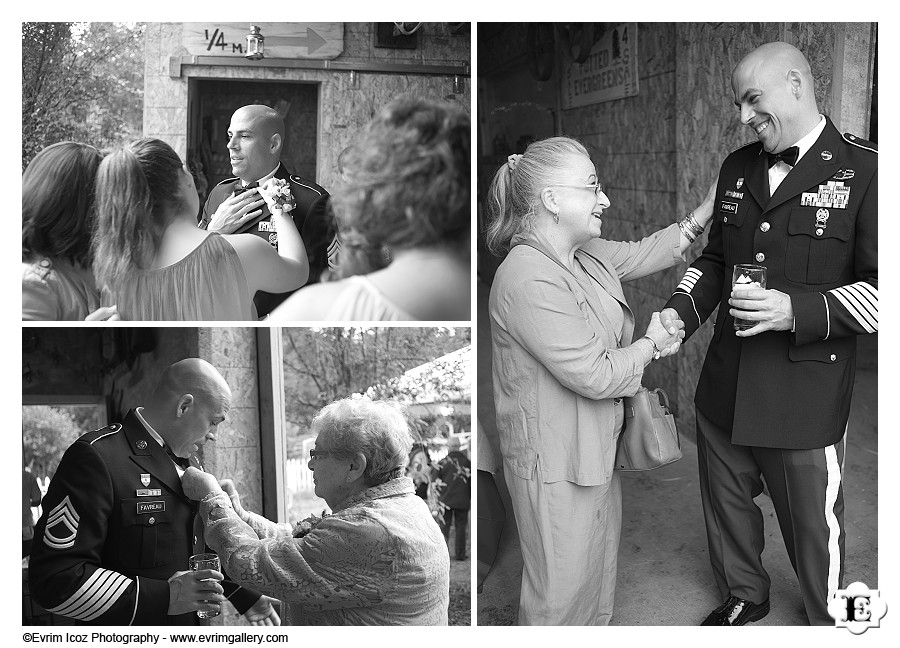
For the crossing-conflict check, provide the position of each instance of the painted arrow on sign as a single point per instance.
(282, 40)
(312, 41)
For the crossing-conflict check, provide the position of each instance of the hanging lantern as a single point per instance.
(255, 44)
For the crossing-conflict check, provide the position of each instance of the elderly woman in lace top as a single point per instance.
(378, 559)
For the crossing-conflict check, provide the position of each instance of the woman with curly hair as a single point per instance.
(158, 265)
(377, 559)
(408, 194)
(57, 215)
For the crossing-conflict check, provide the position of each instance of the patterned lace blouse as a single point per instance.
(378, 559)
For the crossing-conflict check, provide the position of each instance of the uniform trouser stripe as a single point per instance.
(805, 487)
(835, 469)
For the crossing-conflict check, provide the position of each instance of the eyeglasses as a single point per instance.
(598, 188)
(319, 454)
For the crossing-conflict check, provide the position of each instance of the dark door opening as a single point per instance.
(211, 104)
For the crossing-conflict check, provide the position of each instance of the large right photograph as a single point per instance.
(677, 324)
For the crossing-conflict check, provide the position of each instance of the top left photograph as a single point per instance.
(216, 172)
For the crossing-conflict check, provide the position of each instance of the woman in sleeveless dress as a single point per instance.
(408, 192)
(156, 264)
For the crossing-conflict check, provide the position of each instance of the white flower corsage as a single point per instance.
(277, 194)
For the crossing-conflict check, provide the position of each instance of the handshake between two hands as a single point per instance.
(667, 330)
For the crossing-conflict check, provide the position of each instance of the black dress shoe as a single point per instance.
(736, 612)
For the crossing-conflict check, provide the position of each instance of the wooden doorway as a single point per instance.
(211, 103)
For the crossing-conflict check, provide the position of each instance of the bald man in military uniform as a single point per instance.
(255, 141)
(113, 543)
(773, 401)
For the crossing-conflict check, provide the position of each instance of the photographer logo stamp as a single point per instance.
(857, 608)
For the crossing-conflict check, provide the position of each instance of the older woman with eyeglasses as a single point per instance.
(563, 359)
(379, 558)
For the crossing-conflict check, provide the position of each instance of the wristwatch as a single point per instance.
(656, 351)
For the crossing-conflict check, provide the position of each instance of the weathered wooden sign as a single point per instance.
(282, 40)
(610, 72)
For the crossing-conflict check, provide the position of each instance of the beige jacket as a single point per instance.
(557, 365)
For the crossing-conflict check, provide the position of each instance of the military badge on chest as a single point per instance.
(832, 195)
(821, 221)
(269, 226)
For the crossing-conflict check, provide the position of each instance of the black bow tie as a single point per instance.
(788, 156)
(239, 190)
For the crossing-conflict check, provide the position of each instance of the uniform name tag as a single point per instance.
(150, 507)
(730, 207)
(266, 226)
(149, 492)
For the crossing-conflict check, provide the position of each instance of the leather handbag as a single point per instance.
(650, 438)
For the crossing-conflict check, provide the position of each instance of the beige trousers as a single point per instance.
(569, 536)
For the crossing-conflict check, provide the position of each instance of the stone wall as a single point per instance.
(236, 451)
(632, 142)
(342, 110)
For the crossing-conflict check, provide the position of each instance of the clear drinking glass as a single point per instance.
(747, 275)
(205, 561)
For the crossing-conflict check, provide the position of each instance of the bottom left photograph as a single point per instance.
(224, 476)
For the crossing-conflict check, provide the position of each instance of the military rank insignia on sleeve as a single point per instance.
(62, 526)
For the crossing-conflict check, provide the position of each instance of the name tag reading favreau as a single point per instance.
(150, 507)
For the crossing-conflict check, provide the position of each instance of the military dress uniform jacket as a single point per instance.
(116, 525)
(309, 215)
(818, 238)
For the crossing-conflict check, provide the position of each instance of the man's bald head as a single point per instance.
(189, 402)
(775, 91)
(778, 59)
(265, 119)
(193, 375)
(255, 140)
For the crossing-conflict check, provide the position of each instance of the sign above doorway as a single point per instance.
(608, 72)
(282, 40)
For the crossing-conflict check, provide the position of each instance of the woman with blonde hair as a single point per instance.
(563, 359)
(156, 264)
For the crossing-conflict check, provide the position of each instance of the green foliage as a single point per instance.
(323, 365)
(46, 434)
(81, 82)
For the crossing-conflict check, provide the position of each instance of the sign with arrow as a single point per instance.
(282, 40)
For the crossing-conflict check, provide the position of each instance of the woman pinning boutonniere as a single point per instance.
(378, 558)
